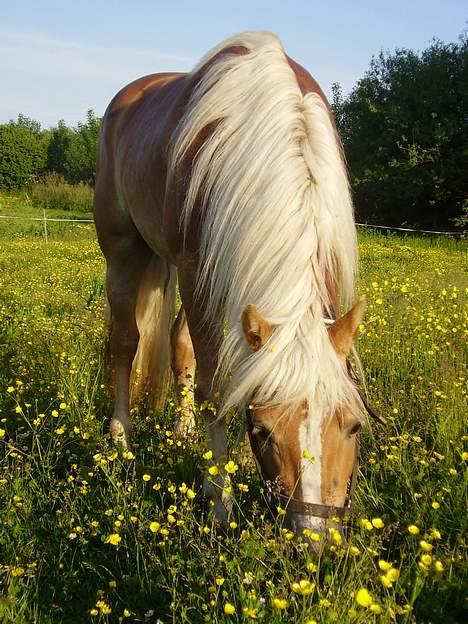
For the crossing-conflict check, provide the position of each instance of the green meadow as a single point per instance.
(89, 533)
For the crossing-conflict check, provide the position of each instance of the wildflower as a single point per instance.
(425, 546)
(435, 505)
(363, 597)
(229, 608)
(213, 470)
(393, 575)
(413, 529)
(384, 565)
(279, 603)
(354, 551)
(304, 587)
(17, 571)
(208, 455)
(375, 608)
(377, 523)
(231, 467)
(250, 612)
(2, 433)
(190, 494)
(154, 527)
(146, 477)
(426, 559)
(438, 566)
(113, 539)
(435, 534)
(10, 389)
(233, 525)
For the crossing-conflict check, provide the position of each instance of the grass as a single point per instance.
(91, 534)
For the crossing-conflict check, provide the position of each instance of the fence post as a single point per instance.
(45, 228)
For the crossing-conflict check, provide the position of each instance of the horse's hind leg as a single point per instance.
(127, 258)
(183, 366)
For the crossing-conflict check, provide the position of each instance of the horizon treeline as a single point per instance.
(404, 129)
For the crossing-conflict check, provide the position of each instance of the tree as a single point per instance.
(80, 154)
(405, 132)
(22, 155)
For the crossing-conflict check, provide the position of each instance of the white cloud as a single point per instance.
(50, 78)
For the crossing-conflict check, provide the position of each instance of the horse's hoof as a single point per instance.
(118, 434)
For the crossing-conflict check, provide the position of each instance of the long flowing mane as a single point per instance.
(271, 184)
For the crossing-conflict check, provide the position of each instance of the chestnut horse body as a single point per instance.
(231, 180)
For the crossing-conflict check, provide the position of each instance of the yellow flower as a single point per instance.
(213, 470)
(438, 566)
(377, 523)
(231, 467)
(393, 575)
(229, 608)
(375, 608)
(435, 534)
(146, 477)
(250, 612)
(154, 527)
(17, 571)
(426, 559)
(190, 494)
(2, 433)
(384, 565)
(233, 525)
(435, 505)
(304, 587)
(10, 389)
(425, 546)
(386, 582)
(279, 603)
(354, 551)
(413, 529)
(363, 597)
(208, 455)
(113, 539)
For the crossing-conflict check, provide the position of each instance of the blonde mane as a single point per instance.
(277, 222)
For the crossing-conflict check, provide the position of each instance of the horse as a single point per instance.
(230, 180)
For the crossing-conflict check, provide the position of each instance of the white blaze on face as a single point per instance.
(310, 442)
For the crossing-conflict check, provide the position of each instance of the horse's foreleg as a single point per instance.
(206, 339)
(183, 366)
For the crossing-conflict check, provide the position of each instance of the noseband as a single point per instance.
(277, 499)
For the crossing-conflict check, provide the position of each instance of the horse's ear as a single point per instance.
(256, 329)
(344, 331)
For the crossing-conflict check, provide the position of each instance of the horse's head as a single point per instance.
(308, 462)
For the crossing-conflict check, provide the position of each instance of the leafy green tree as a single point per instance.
(405, 132)
(23, 154)
(80, 154)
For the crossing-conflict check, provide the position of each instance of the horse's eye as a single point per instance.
(355, 428)
(260, 430)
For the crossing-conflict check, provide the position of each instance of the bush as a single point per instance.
(23, 155)
(52, 191)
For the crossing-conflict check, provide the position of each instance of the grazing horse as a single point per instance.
(231, 180)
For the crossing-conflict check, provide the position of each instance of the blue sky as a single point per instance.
(60, 58)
